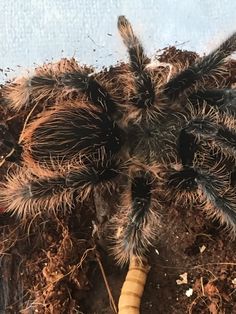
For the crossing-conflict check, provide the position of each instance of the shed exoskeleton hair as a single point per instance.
(161, 132)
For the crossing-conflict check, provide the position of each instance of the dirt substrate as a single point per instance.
(54, 263)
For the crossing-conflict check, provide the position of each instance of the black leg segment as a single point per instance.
(195, 72)
(219, 201)
(95, 92)
(145, 90)
(220, 98)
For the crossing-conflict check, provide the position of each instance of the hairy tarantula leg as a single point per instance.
(219, 200)
(196, 71)
(181, 183)
(211, 185)
(217, 134)
(137, 223)
(138, 61)
(95, 92)
(79, 81)
(222, 98)
(26, 194)
(187, 147)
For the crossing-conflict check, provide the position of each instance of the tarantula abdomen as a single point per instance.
(73, 132)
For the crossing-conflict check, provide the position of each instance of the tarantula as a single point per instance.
(159, 132)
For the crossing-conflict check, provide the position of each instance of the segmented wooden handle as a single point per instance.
(133, 287)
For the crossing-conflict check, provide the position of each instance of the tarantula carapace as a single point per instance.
(157, 131)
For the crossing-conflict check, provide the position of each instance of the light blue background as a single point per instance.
(33, 31)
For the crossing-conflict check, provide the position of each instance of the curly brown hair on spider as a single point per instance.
(165, 131)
